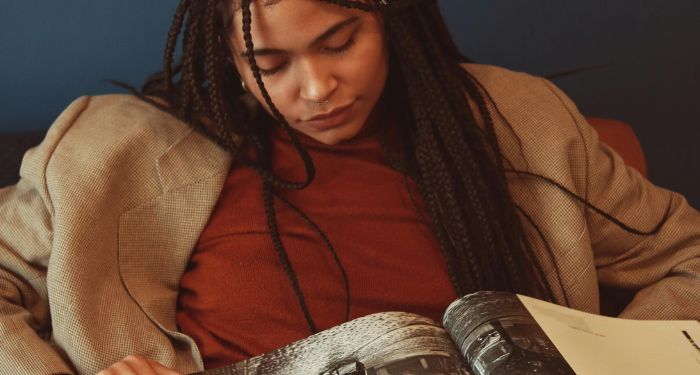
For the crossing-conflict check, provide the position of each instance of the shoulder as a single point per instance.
(95, 134)
(513, 90)
(115, 117)
(530, 113)
(499, 77)
(108, 123)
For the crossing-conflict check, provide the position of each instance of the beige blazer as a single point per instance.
(97, 233)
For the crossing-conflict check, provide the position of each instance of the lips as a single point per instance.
(330, 114)
(330, 119)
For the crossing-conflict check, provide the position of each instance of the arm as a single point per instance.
(26, 230)
(663, 269)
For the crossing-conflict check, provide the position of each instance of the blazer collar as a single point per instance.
(191, 159)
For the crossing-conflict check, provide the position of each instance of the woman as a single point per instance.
(345, 160)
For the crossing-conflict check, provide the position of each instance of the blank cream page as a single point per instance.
(599, 345)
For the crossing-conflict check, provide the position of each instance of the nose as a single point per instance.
(318, 82)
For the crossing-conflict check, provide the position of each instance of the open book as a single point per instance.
(488, 333)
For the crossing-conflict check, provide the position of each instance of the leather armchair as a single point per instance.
(622, 139)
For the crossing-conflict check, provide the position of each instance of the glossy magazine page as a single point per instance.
(488, 333)
(391, 343)
(497, 335)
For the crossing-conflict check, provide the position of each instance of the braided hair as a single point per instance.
(449, 147)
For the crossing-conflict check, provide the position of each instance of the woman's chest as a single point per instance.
(237, 287)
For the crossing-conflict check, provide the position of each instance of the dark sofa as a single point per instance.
(12, 148)
(617, 134)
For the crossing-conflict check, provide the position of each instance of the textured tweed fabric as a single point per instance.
(97, 233)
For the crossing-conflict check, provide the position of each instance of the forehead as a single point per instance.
(237, 3)
(287, 23)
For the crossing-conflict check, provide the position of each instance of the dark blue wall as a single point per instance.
(55, 51)
(650, 50)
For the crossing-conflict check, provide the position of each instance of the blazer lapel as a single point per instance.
(157, 236)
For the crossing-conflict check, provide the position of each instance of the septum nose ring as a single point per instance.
(322, 102)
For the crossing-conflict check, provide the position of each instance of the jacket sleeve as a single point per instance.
(26, 230)
(662, 268)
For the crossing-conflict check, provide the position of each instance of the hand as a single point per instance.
(137, 365)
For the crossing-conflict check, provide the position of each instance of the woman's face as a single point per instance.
(317, 59)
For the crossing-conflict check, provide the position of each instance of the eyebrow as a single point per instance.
(325, 35)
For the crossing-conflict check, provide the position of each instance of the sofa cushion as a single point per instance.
(12, 148)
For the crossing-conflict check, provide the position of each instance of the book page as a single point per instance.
(600, 345)
(391, 343)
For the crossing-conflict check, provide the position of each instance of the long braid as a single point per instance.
(270, 212)
(306, 159)
(511, 264)
(460, 159)
(171, 43)
(410, 153)
(329, 245)
(282, 254)
(466, 161)
(435, 169)
(213, 69)
(429, 190)
(191, 72)
(500, 240)
(426, 158)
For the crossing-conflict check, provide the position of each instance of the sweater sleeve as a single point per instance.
(661, 268)
(26, 231)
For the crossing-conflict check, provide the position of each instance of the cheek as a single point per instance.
(276, 88)
(367, 67)
(281, 94)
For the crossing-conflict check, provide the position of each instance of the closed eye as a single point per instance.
(323, 37)
(269, 72)
(332, 50)
(342, 48)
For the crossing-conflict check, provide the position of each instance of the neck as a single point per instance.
(377, 121)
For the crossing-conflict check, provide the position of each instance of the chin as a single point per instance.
(329, 139)
(337, 135)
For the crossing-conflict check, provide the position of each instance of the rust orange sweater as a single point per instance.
(235, 299)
